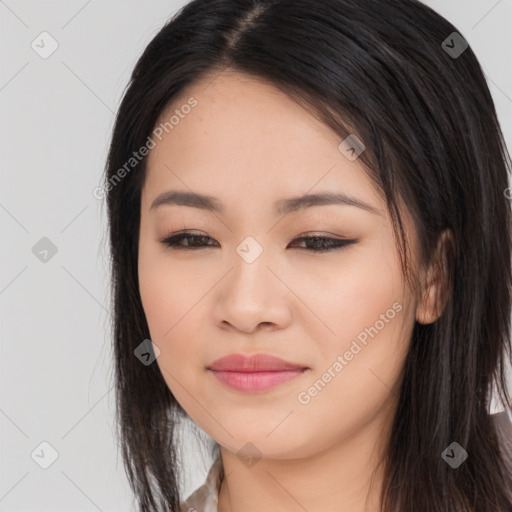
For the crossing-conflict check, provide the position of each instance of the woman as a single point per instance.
(311, 244)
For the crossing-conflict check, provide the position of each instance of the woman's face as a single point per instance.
(250, 284)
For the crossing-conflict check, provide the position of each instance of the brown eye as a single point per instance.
(193, 241)
(323, 243)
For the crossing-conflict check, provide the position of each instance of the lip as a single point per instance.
(253, 363)
(258, 372)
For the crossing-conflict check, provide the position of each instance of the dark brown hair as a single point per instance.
(379, 70)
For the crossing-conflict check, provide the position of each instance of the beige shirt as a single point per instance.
(205, 498)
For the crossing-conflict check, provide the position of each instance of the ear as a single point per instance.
(435, 282)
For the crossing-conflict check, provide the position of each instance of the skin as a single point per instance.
(248, 144)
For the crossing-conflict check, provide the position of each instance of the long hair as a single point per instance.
(382, 71)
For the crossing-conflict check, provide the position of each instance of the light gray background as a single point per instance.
(56, 119)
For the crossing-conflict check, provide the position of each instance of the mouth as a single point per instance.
(258, 372)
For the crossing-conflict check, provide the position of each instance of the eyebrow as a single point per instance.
(281, 207)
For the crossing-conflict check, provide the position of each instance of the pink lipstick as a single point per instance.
(258, 372)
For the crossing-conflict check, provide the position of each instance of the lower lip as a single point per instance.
(256, 381)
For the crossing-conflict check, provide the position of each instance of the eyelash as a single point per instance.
(173, 242)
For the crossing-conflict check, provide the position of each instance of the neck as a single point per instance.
(337, 479)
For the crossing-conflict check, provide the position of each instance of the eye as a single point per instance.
(324, 244)
(193, 241)
(315, 243)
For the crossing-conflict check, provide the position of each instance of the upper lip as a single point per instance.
(252, 363)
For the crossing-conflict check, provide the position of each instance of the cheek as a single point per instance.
(371, 324)
(167, 291)
(167, 300)
(358, 375)
(172, 302)
(365, 291)
(159, 298)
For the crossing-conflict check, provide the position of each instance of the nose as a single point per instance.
(252, 297)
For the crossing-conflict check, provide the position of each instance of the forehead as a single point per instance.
(246, 141)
